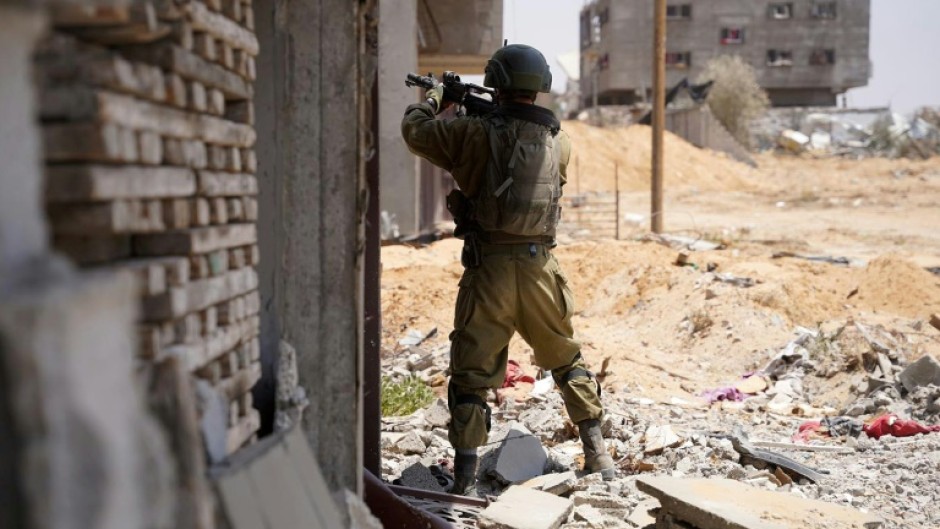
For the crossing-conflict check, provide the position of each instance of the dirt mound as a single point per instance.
(893, 284)
(596, 150)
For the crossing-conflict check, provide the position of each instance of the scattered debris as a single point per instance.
(816, 258)
(415, 337)
(745, 448)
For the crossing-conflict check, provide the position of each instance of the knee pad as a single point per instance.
(455, 398)
(577, 373)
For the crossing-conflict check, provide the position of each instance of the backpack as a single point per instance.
(522, 185)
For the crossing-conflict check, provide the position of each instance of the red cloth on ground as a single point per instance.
(889, 424)
(514, 375)
(807, 430)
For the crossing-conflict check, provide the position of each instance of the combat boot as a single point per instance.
(465, 471)
(596, 457)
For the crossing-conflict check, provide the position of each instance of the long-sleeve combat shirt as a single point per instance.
(460, 146)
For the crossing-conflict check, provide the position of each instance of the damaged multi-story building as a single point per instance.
(805, 52)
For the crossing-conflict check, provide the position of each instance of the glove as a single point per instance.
(436, 98)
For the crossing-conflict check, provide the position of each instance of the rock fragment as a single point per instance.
(658, 438)
(923, 372)
(418, 476)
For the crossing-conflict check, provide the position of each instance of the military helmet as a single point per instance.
(518, 67)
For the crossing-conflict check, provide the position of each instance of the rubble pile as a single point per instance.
(855, 133)
(148, 131)
(752, 442)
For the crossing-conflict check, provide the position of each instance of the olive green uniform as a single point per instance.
(517, 288)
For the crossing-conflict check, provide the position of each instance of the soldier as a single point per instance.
(510, 166)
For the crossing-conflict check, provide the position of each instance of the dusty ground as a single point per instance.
(671, 332)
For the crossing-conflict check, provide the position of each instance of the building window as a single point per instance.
(824, 10)
(732, 36)
(604, 16)
(679, 11)
(781, 11)
(603, 62)
(822, 57)
(778, 58)
(585, 29)
(679, 60)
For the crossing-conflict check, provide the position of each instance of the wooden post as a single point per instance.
(659, 115)
(616, 202)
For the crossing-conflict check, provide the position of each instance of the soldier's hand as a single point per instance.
(436, 98)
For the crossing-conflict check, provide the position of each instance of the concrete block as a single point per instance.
(418, 476)
(524, 508)
(557, 484)
(521, 457)
(728, 504)
(923, 372)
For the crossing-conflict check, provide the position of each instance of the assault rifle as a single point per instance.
(468, 96)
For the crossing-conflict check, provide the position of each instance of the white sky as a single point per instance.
(905, 46)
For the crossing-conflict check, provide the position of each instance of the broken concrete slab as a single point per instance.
(524, 508)
(923, 372)
(556, 483)
(728, 504)
(658, 438)
(600, 500)
(418, 476)
(521, 457)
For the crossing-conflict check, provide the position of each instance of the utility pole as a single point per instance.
(659, 114)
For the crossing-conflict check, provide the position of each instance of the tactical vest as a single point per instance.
(519, 198)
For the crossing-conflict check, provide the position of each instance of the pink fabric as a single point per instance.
(728, 393)
(515, 375)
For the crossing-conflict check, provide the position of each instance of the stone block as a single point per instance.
(521, 457)
(524, 508)
(589, 515)
(418, 476)
(410, 444)
(924, 372)
(727, 504)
